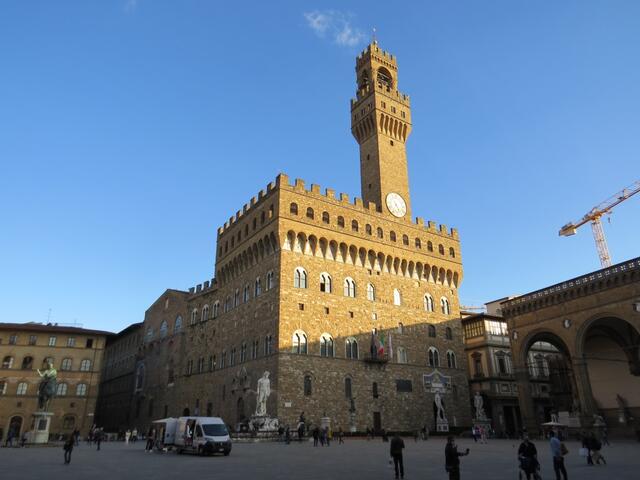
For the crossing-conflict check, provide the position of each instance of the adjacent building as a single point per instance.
(117, 380)
(351, 305)
(77, 355)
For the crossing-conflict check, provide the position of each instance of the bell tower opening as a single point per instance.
(381, 124)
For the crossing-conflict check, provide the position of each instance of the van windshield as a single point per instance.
(215, 430)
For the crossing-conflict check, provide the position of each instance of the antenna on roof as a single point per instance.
(49, 316)
(373, 36)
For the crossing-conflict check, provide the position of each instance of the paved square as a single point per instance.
(354, 459)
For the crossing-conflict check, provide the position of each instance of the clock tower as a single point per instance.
(381, 124)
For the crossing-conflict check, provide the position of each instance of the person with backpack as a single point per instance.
(558, 451)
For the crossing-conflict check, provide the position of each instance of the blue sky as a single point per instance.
(130, 130)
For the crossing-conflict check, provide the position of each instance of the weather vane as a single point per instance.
(374, 35)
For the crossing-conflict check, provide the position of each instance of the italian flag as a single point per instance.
(380, 344)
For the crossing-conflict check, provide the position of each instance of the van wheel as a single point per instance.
(179, 451)
(227, 452)
(200, 451)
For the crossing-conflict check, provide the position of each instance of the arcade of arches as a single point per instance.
(591, 326)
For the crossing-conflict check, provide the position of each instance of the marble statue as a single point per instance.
(554, 418)
(478, 404)
(598, 421)
(47, 386)
(440, 415)
(263, 392)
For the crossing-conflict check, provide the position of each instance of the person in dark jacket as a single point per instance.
(68, 448)
(395, 449)
(451, 458)
(528, 456)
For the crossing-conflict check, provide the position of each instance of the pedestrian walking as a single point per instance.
(558, 451)
(151, 434)
(587, 447)
(287, 435)
(395, 449)
(68, 448)
(76, 437)
(134, 435)
(597, 457)
(316, 436)
(340, 436)
(127, 437)
(327, 436)
(605, 437)
(97, 438)
(483, 435)
(452, 458)
(474, 434)
(528, 458)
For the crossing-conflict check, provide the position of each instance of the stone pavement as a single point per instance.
(265, 461)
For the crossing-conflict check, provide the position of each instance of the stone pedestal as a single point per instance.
(40, 431)
(264, 423)
(442, 425)
(484, 423)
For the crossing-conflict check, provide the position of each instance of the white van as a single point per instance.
(202, 435)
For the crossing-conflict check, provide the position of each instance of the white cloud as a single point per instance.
(130, 6)
(334, 25)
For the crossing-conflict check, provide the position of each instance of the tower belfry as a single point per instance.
(381, 124)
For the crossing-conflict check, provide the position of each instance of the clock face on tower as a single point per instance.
(396, 205)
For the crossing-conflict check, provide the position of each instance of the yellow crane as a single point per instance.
(594, 216)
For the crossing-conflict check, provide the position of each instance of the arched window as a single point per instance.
(293, 209)
(448, 333)
(149, 335)
(307, 385)
(451, 359)
(299, 342)
(245, 293)
(257, 287)
(354, 226)
(262, 217)
(397, 297)
(300, 278)
(347, 388)
(325, 282)
(402, 355)
(349, 287)
(351, 348)
(392, 236)
(22, 388)
(452, 252)
(164, 327)
(379, 232)
(371, 292)
(434, 357)
(177, 327)
(236, 297)
(444, 306)
(430, 246)
(326, 345)
(194, 316)
(7, 362)
(405, 240)
(441, 249)
(205, 313)
(368, 229)
(428, 302)
(310, 214)
(140, 373)
(216, 309)
(432, 331)
(325, 217)
(61, 389)
(81, 389)
(66, 364)
(268, 345)
(270, 282)
(341, 222)
(227, 303)
(384, 78)
(418, 243)
(27, 363)
(85, 365)
(400, 328)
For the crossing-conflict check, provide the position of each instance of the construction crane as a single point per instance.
(594, 216)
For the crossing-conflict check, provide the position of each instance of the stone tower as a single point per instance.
(381, 124)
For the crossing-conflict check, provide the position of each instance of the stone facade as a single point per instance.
(304, 282)
(113, 412)
(76, 354)
(594, 322)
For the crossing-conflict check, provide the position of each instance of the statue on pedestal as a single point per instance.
(440, 415)
(47, 386)
(478, 404)
(263, 392)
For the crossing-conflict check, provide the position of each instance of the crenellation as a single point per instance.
(344, 198)
(357, 202)
(192, 290)
(330, 193)
(315, 189)
(442, 228)
(205, 285)
(420, 221)
(299, 184)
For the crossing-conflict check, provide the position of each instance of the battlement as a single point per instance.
(246, 208)
(381, 56)
(393, 94)
(208, 285)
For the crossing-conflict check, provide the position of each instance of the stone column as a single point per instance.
(525, 399)
(584, 392)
